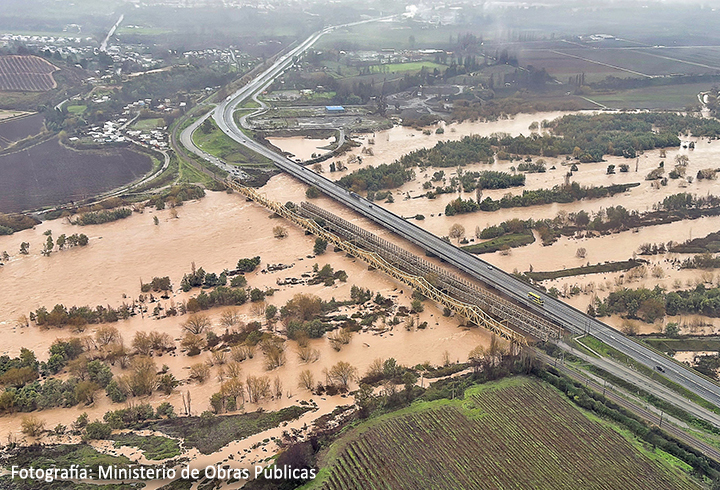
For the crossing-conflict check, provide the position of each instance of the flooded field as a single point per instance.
(213, 233)
(302, 147)
(410, 200)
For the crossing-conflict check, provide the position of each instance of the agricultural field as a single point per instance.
(561, 66)
(49, 173)
(517, 433)
(662, 97)
(399, 35)
(597, 62)
(19, 128)
(26, 74)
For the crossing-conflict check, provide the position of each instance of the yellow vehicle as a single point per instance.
(535, 298)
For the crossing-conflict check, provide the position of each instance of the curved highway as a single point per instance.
(570, 318)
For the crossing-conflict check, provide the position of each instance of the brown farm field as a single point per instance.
(517, 433)
(26, 74)
(49, 173)
(16, 129)
(565, 60)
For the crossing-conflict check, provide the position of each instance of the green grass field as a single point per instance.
(579, 271)
(222, 146)
(516, 433)
(76, 109)
(511, 240)
(407, 67)
(148, 124)
(682, 344)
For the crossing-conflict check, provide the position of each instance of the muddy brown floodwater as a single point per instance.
(214, 233)
(408, 201)
(302, 147)
(221, 228)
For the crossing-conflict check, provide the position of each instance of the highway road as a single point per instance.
(570, 318)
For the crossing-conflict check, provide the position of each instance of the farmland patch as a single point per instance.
(26, 74)
(503, 435)
(19, 128)
(49, 173)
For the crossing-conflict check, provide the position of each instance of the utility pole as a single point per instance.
(661, 417)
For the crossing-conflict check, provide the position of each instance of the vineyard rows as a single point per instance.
(26, 73)
(517, 437)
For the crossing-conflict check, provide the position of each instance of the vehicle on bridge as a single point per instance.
(535, 298)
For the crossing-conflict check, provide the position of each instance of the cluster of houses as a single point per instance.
(78, 46)
(122, 53)
(228, 56)
(155, 137)
(119, 131)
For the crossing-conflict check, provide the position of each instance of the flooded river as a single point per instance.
(216, 231)
(409, 200)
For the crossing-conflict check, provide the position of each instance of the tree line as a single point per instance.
(652, 304)
(561, 194)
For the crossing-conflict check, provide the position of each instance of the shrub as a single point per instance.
(32, 425)
(97, 430)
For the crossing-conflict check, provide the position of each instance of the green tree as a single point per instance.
(270, 312)
(320, 246)
(365, 400)
(99, 373)
(672, 329)
(417, 306)
(115, 392)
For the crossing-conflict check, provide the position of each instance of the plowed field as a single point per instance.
(18, 128)
(50, 173)
(516, 435)
(26, 74)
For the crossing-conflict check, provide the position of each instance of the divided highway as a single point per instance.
(570, 318)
